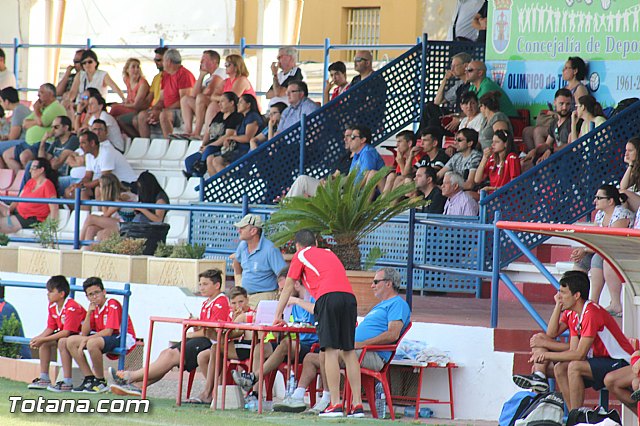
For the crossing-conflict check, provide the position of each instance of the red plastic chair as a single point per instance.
(369, 377)
(232, 364)
(6, 179)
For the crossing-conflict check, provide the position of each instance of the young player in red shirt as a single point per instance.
(64, 320)
(100, 335)
(214, 308)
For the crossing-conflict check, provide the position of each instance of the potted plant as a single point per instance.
(8, 255)
(180, 265)
(48, 259)
(345, 210)
(116, 259)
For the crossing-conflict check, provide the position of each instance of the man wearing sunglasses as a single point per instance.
(70, 74)
(363, 65)
(476, 73)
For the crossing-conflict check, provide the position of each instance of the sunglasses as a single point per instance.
(56, 126)
(460, 140)
(359, 59)
(157, 59)
(84, 97)
(87, 62)
(354, 137)
(469, 70)
(77, 62)
(376, 282)
(599, 197)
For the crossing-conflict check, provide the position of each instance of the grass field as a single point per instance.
(162, 412)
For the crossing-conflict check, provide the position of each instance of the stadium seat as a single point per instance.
(179, 226)
(190, 194)
(174, 187)
(157, 150)
(14, 189)
(6, 179)
(66, 233)
(138, 149)
(175, 155)
(63, 218)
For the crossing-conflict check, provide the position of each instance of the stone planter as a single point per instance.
(24, 370)
(9, 259)
(181, 272)
(361, 284)
(114, 267)
(41, 261)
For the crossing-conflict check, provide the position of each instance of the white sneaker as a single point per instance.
(319, 407)
(290, 405)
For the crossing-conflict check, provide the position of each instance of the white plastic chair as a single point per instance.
(157, 150)
(66, 233)
(179, 222)
(190, 194)
(174, 187)
(137, 151)
(175, 155)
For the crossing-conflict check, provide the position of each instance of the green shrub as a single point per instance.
(10, 327)
(4, 239)
(116, 244)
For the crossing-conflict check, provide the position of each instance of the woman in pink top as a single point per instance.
(237, 82)
(137, 90)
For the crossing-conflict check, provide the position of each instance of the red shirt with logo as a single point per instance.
(69, 318)
(109, 317)
(320, 271)
(216, 309)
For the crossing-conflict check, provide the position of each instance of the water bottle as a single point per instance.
(291, 384)
(252, 404)
(381, 403)
(424, 412)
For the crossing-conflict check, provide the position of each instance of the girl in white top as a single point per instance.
(473, 119)
(91, 76)
(96, 109)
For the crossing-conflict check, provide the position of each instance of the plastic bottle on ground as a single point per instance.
(381, 402)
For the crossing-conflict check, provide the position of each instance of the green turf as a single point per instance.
(162, 412)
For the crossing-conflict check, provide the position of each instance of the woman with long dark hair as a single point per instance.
(500, 163)
(630, 183)
(43, 184)
(150, 191)
(494, 118)
(590, 112)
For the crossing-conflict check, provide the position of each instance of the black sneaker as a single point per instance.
(85, 386)
(60, 387)
(533, 382)
(98, 386)
(636, 395)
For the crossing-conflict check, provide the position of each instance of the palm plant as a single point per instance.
(344, 208)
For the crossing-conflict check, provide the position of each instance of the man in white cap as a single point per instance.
(258, 260)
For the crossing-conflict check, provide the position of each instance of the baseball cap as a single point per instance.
(250, 219)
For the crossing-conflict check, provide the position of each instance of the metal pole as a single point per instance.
(124, 326)
(482, 238)
(495, 280)
(15, 60)
(245, 205)
(243, 46)
(161, 42)
(303, 131)
(423, 74)
(412, 224)
(325, 69)
(76, 220)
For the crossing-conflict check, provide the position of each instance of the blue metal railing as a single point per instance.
(121, 351)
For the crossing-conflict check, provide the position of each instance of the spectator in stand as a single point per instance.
(299, 103)
(405, 141)
(11, 102)
(64, 319)
(448, 103)
(258, 260)
(337, 78)
(426, 186)
(101, 227)
(500, 162)
(481, 85)
(237, 145)
(610, 214)
(459, 202)
(80, 115)
(100, 335)
(63, 145)
(66, 82)
(306, 186)
(100, 159)
(198, 100)
(590, 112)
(36, 124)
(224, 124)
(214, 308)
(479, 22)
(494, 119)
(429, 153)
(7, 78)
(96, 109)
(363, 65)
(302, 306)
(573, 72)
(21, 215)
(177, 82)
(473, 118)
(91, 76)
(461, 24)
(597, 346)
(365, 159)
(630, 183)
(383, 325)
(466, 159)
(149, 192)
(275, 113)
(556, 135)
(289, 71)
(237, 82)
(138, 98)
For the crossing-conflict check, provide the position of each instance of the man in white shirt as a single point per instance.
(461, 28)
(7, 78)
(289, 71)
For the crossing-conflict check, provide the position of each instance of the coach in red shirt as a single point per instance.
(324, 276)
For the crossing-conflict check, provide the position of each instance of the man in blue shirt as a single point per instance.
(383, 325)
(365, 156)
(299, 103)
(258, 260)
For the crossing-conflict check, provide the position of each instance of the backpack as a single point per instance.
(513, 408)
(591, 416)
(546, 410)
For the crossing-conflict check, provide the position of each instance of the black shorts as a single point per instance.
(192, 348)
(110, 343)
(26, 222)
(600, 367)
(243, 349)
(336, 314)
